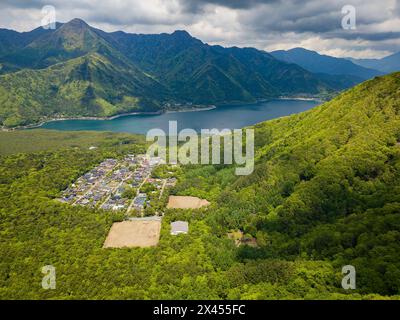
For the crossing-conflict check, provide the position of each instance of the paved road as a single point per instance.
(137, 193)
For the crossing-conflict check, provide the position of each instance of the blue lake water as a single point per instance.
(229, 117)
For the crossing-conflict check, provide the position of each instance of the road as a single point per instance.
(95, 185)
(116, 188)
(137, 193)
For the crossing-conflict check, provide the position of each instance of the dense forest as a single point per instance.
(325, 193)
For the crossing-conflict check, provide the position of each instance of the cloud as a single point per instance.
(264, 24)
(196, 6)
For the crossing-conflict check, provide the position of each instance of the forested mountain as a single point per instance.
(325, 193)
(11, 41)
(326, 186)
(387, 64)
(213, 73)
(77, 70)
(73, 72)
(317, 63)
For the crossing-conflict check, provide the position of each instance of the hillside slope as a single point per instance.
(213, 73)
(326, 186)
(325, 193)
(91, 85)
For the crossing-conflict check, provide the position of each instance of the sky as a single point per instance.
(265, 24)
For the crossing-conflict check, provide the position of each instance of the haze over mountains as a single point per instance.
(317, 63)
(387, 64)
(77, 70)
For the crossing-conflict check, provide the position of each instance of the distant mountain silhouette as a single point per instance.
(317, 63)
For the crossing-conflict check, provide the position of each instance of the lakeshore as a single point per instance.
(220, 117)
(230, 116)
(54, 119)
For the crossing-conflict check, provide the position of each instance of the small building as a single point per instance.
(118, 207)
(179, 227)
(140, 200)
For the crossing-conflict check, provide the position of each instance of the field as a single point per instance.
(184, 202)
(133, 234)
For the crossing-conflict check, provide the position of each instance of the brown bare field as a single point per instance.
(184, 202)
(133, 234)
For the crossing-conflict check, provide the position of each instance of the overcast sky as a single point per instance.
(264, 24)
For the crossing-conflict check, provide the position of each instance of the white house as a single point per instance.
(179, 227)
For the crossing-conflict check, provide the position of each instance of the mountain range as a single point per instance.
(77, 70)
(361, 69)
(317, 63)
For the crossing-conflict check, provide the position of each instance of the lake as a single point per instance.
(229, 117)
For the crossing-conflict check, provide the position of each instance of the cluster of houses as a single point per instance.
(81, 192)
(104, 186)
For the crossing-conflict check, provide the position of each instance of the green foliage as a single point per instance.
(325, 193)
(44, 140)
(147, 187)
(326, 186)
(129, 193)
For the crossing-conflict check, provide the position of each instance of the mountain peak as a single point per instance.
(303, 50)
(181, 34)
(76, 23)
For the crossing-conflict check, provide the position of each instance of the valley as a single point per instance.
(324, 193)
(201, 151)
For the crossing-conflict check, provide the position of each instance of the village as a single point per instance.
(132, 186)
(125, 185)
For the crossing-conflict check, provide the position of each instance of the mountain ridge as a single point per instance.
(325, 186)
(315, 62)
(182, 68)
(388, 64)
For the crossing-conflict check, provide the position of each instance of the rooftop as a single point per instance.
(178, 227)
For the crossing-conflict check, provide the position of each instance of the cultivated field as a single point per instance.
(181, 202)
(133, 234)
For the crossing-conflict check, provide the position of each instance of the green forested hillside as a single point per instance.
(326, 186)
(91, 85)
(213, 74)
(325, 193)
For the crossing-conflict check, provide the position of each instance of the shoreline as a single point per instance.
(212, 107)
(319, 99)
(40, 124)
(208, 108)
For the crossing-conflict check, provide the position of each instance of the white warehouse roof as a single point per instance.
(178, 227)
